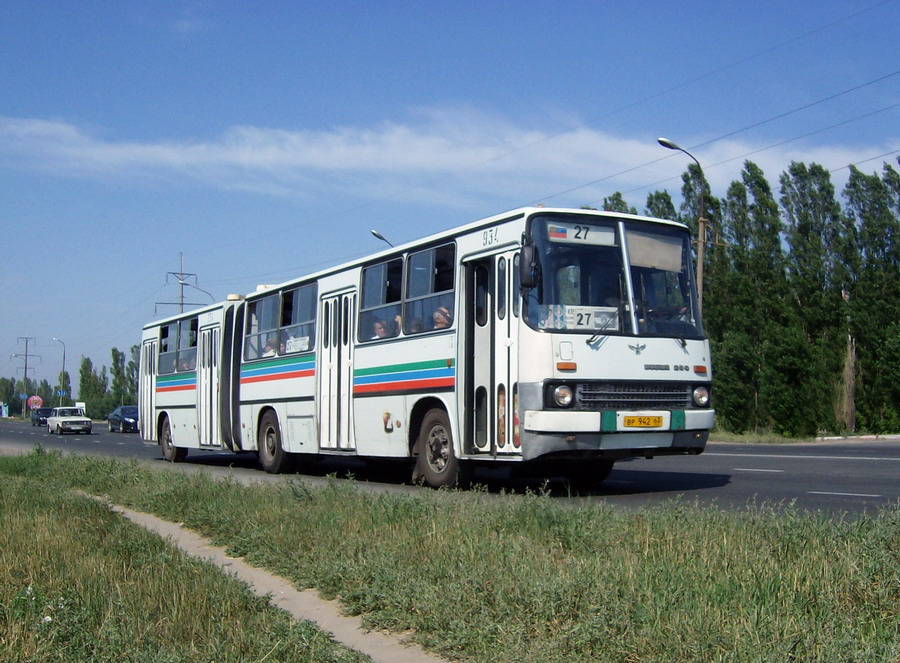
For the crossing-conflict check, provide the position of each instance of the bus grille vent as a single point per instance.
(633, 396)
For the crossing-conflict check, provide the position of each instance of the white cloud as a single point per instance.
(447, 156)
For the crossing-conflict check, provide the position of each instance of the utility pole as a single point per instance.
(18, 355)
(183, 280)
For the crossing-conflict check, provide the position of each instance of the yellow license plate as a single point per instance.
(643, 422)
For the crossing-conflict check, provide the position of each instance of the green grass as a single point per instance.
(79, 583)
(523, 579)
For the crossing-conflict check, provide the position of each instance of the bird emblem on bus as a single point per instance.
(637, 348)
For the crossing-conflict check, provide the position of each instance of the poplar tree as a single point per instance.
(737, 361)
(616, 203)
(119, 388)
(875, 302)
(660, 205)
(131, 375)
(92, 388)
(814, 226)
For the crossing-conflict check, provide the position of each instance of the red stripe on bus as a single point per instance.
(279, 376)
(407, 384)
(186, 387)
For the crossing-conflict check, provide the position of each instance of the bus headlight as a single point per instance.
(563, 395)
(701, 397)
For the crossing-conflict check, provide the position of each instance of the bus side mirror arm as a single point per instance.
(528, 266)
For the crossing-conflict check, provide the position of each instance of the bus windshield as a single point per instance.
(612, 277)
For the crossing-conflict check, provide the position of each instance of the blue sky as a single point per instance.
(262, 141)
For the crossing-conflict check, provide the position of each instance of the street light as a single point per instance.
(381, 237)
(701, 222)
(62, 376)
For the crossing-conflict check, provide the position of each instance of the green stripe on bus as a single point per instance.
(172, 377)
(394, 368)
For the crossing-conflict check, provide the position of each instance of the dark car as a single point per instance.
(123, 419)
(39, 415)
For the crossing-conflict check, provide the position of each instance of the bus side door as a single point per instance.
(208, 410)
(335, 403)
(490, 370)
(147, 391)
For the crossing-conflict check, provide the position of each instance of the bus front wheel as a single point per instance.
(171, 453)
(272, 456)
(436, 463)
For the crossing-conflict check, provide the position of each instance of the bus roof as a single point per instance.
(435, 238)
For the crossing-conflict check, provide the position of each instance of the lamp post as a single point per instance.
(381, 237)
(701, 222)
(62, 376)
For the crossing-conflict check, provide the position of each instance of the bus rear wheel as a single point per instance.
(436, 463)
(272, 456)
(171, 453)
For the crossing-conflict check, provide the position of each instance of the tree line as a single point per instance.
(101, 390)
(801, 297)
(801, 304)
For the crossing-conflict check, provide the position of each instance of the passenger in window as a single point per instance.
(395, 326)
(416, 326)
(379, 330)
(271, 347)
(442, 318)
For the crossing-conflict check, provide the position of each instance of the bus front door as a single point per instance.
(491, 330)
(336, 372)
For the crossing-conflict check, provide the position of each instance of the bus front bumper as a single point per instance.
(615, 434)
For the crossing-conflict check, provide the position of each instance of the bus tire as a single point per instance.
(272, 456)
(436, 463)
(170, 452)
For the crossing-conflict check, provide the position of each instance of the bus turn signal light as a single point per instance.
(566, 366)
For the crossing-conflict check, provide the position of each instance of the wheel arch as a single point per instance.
(263, 411)
(417, 415)
(160, 420)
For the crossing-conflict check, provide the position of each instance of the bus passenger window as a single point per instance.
(298, 320)
(430, 290)
(381, 295)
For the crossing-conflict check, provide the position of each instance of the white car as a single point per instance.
(68, 420)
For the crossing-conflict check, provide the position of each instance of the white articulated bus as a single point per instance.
(553, 340)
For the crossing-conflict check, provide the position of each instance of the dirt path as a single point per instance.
(300, 604)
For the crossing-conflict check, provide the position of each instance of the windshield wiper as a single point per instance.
(596, 337)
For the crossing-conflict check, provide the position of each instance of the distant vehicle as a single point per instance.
(39, 415)
(68, 420)
(123, 419)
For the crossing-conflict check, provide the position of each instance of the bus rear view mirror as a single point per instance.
(528, 266)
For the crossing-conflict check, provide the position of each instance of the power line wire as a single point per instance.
(737, 131)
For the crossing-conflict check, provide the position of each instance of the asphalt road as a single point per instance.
(836, 477)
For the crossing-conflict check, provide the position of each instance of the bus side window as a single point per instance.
(262, 327)
(298, 320)
(381, 294)
(187, 345)
(430, 290)
(168, 350)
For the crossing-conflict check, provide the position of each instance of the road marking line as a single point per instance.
(801, 457)
(754, 469)
(818, 492)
